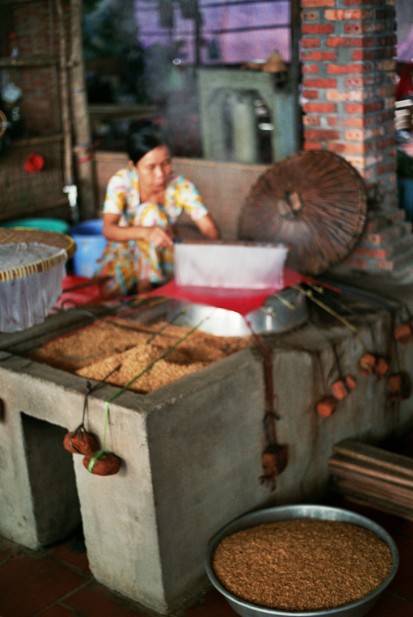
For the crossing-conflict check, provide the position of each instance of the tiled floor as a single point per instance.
(56, 581)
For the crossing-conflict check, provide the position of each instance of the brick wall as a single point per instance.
(348, 50)
(348, 55)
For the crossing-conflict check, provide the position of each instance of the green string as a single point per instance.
(93, 460)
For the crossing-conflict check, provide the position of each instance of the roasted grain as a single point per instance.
(302, 565)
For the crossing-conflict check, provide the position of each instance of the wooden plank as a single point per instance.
(340, 465)
(378, 504)
(359, 451)
(380, 490)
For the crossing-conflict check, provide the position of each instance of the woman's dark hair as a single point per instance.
(144, 136)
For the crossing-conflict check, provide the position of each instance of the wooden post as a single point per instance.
(83, 149)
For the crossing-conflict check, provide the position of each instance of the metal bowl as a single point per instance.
(281, 312)
(282, 513)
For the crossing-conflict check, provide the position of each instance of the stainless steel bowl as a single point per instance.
(282, 513)
(281, 312)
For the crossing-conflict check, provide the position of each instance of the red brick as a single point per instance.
(375, 253)
(321, 108)
(355, 148)
(376, 239)
(360, 2)
(357, 264)
(310, 94)
(366, 54)
(342, 41)
(310, 42)
(389, 169)
(347, 14)
(359, 82)
(316, 29)
(386, 65)
(320, 134)
(356, 135)
(353, 121)
(320, 55)
(345, 95)
(364, 28)
(337, 147)
(310, 16)
(348, 69)
(310, 69)
(388, 142)
(319, 83)
(311, 121)
(311, 145)
(363, 108)
(317, 3)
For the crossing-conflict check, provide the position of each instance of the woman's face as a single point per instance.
(154, 170)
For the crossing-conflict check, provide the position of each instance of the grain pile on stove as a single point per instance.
(160, 353)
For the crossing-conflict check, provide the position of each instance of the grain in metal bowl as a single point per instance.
(313, 515)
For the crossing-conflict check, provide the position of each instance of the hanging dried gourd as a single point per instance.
(80, 441)
(102, 463)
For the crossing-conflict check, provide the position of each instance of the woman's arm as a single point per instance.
(208, 227)
(157, 236)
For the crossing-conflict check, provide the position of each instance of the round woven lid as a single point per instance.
(34, 236)
(314, 202)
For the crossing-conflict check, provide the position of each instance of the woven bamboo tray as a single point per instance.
(20, 235)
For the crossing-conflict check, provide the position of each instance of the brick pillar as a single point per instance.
(348, 50)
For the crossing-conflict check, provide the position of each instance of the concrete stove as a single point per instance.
(191, 451)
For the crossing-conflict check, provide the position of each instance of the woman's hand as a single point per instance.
(160, 237)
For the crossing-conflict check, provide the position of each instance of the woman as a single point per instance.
(142, 204)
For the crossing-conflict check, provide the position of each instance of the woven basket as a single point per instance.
(20, 235)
